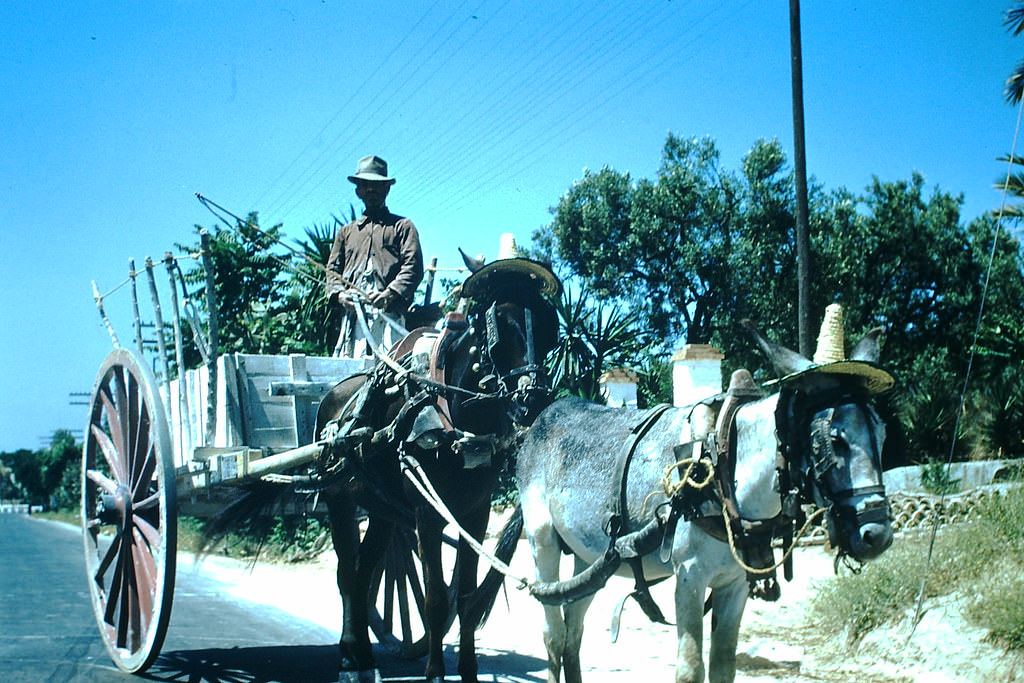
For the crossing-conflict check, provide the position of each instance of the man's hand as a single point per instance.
(380, 299)
(347, 298)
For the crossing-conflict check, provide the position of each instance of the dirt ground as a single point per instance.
(777, 640)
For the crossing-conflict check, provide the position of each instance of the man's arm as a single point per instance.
(335, 267)
(410, 272)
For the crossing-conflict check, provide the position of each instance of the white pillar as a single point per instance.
(618, 386)
(696, 373)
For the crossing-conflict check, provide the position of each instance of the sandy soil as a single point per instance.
(777, 640)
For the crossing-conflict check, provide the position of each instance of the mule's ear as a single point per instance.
(784, 361)
(474, 264)
(867, 348)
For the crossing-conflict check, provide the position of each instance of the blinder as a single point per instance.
(823, 436)
(530, 395)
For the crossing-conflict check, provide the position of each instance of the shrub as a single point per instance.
(982, 560)
(935, 478)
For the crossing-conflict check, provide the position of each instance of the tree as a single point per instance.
(1013, 183)
(312, 324)
(45, 477)
(60, 468)
(592, 340)
(250, 284)
(656, 246)
(699, 249)
(1014, 89)
(25, 466)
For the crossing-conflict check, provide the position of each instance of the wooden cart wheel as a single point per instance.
(129, 523)
(396, 612)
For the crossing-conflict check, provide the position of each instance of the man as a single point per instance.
(377, 261)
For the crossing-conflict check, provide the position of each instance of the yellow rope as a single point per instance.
(672, 488)
(768, 570)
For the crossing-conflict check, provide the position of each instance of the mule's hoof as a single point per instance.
(364, 676)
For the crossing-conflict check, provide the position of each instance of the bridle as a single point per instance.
(808, 440)
(524, 380)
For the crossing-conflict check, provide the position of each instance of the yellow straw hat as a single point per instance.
(830, 356)
(509, 262)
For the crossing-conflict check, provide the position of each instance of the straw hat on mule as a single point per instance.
(830, 355)
(533, 273)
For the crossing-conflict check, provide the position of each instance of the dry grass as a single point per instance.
(981, 561)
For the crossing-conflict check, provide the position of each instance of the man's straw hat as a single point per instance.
(830, 356)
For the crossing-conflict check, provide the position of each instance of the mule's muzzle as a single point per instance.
(863, 530)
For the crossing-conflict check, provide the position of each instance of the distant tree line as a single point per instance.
(48, 477)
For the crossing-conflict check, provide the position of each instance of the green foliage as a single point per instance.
(270, 300)
(48, 477)
(592, 339)
(310, 323)
(9, 488)
(655, 380)
(854, 605)
(286, 538)
(996, 424)
(935, 478)
(25, 474)
(981, 561)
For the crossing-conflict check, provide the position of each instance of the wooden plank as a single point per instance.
(304, 408)
(230, 430)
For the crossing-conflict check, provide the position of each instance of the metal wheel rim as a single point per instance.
(128, 490)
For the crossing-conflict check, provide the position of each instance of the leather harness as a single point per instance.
(753, 538)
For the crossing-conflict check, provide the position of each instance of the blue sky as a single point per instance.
(115, 114)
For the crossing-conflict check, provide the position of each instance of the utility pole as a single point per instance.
(803, 240)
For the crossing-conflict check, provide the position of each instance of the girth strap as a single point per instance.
(619, 521)
(620, 513)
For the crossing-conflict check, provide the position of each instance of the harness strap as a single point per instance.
(753, 538)
(454, 325)
(619, 521)
(742, 390)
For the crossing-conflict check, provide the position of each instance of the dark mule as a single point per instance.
(454, 405)
(612, 485)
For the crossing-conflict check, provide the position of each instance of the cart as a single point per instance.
(154, 449)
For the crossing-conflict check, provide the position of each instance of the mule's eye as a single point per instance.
(838, 437)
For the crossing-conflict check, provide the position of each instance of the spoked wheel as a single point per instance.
(129, 522)
(397, 610)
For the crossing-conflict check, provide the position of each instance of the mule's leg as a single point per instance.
(573, 614)
(689, 628)
(476, 524)
(357, 663)
(727, 604)
(546, 557)
(428, 531)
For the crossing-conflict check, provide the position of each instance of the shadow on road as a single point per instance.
(319, 664)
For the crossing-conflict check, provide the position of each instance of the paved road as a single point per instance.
(48, 632)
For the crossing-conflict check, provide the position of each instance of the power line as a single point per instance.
(574, 127)
(477, 130)
(340, 110)
(325, 157)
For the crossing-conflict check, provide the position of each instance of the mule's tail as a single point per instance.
(482, 600)
(251, 501)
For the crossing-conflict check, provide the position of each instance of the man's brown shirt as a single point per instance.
(377, 252)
